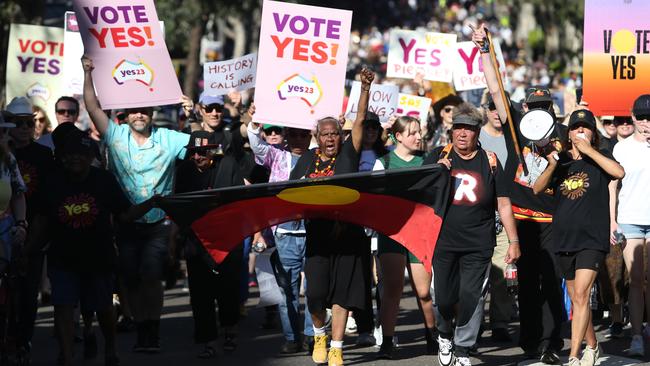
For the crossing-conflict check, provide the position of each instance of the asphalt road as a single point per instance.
(260, 347)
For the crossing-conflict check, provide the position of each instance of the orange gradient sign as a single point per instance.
(616, 66)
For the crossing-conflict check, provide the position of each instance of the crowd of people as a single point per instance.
(568, 208)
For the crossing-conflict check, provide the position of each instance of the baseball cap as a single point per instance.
(464, 119)
(207, 99)
(267, 126)
(641, 106)
(75, 141)
(19, 106)
(201, 140)
(536, 95)
(582, 116)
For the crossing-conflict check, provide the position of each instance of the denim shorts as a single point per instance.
(143, 251)
(632, 231)
(93, 290)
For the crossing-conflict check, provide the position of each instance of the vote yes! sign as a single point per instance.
(132, 64)
(302, 59)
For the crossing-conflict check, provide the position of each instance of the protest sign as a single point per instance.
(616, 60)
(223, 77)
(73, 73)
(302, 59)
(383, 100)
(132, 65)
(428, 53)
(468, 69)
(34, 65)
(414, 106)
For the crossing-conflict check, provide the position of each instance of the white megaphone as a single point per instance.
(537, 126)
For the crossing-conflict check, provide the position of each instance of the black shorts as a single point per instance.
(569, 262)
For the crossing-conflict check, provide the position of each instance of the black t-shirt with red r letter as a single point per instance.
(469, 224)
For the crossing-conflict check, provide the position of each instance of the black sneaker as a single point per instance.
(550, 357)
(385, 351)
(90, 347)
(308, 344)
(290, 347)
(615, 331)
(153, 337)
(230, 343)
(141, 337)
(430, 335)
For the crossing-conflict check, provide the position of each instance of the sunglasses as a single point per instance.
(643, 117)
(213, 107)
(27, 122)
(448, 109)
(622, 123)
(272, 130)
(68, 111)
(41, 119)
(543, 105)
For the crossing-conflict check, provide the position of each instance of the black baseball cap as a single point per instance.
(201, 140)
(538, 95)
(371, 119)
(582, 116)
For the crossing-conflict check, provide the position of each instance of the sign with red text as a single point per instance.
(126, 44)
(468, 69)
(302, 59)
(35, 65)
(428, 53)
(383, 100)
(414, 106)
(223, 77)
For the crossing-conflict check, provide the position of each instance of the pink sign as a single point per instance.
(301, 65)
(126, 44)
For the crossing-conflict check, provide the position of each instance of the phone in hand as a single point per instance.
(578, 96)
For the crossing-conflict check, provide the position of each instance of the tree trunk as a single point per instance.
(239, 36)
(192, 60)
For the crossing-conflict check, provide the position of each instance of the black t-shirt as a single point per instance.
(521, 192)
(581, 219)
(80, 220)
(35, 161)
(469, 222)
(326, 236)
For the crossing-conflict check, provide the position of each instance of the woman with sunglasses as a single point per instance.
(439, 129)
(581, 222)
(42, 124)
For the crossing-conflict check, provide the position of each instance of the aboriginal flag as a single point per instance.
(405, 204)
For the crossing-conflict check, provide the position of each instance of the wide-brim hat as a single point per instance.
(451, 99)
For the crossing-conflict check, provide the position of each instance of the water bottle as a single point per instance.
(512, 282)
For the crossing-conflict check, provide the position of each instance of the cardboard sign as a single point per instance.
(414, 106)
(468, 69)
(35, 65)
(223, 77)
(302, 59)
(428, 53)
(616, 60)
(132, 65)
(383, 100)
(73, 73)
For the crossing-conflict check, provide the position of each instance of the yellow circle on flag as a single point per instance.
(320, 195)
(624, 41)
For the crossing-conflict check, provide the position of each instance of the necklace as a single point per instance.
(325, 172)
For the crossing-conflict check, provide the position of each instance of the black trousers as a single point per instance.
(541, 310)
(206, 287)
(27, 288)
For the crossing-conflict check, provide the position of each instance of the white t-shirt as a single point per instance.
(633, 204)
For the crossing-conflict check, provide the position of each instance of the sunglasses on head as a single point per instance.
(68, 111)
(213, 107)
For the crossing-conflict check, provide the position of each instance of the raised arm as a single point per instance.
(367, 77)
(97, 115)
(479, 37)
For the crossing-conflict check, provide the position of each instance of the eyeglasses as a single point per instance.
(68, 111)
(334, 134)
(213, 107)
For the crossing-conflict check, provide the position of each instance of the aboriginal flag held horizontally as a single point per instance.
(406, 204)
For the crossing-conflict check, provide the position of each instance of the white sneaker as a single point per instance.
(445, 352)
(590, 355)
(379, 337)
(350, 325)
(636, 346)
(573, 361)
(463, 361)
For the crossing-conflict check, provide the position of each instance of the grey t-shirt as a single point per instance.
(496, 144)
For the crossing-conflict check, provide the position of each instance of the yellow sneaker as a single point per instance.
(335, 357)
(319, 355)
